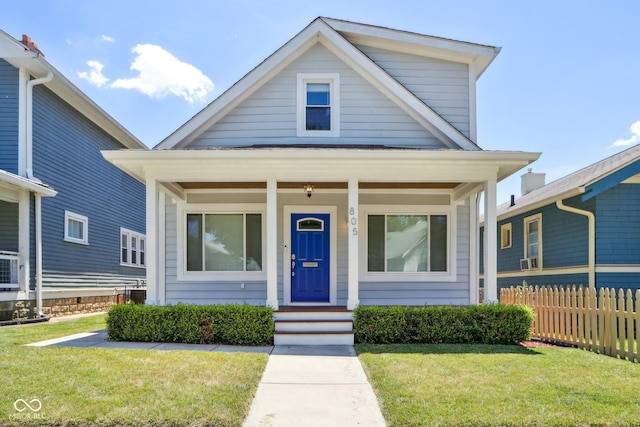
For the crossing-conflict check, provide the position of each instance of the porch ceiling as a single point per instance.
(318, 185)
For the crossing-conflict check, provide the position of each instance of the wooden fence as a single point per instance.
(598, 321)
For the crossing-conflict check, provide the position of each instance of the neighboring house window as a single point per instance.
(533, 240)
(132, 248)
(318, 105)
(505, 236)
(230, 242)
(76, 228)
(412, 242)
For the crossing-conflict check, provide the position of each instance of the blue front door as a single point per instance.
(310, 258)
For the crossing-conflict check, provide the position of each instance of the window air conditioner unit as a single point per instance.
(524, 264)
(533, 262)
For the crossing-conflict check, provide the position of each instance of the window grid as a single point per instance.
(132, 248)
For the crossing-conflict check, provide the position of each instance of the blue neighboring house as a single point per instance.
(581, 229)
(71, 223)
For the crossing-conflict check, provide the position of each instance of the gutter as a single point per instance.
(592, 238)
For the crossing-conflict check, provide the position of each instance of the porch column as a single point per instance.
(152, 241)
(272, 243)
(354, 261)
(490, 243)
(24, 241)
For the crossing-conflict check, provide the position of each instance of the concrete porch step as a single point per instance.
(313, 326)
(313, 338)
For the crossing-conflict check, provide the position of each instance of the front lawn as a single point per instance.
(480, 385)
(115, 387)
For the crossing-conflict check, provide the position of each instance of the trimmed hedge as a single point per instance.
(194, 324)
(482, 324)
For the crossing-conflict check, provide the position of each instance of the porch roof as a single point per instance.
(14, 182)
(467, 168)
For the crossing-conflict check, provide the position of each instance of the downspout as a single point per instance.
(592, 238)
(29, 123)
(29, 174)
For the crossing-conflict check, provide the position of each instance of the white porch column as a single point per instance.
(38, 217)
(353, 231)
(474, 227)
(272, 243)
(24, 241)
(490, 243)
(152, 241)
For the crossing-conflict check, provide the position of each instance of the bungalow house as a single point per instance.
(583, 229)
(342, 170)
(69, 234)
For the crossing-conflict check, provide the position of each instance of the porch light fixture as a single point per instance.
(308, 188)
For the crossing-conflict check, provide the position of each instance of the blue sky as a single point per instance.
(566, 82)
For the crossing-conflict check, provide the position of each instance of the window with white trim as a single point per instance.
(408, 242)
(76, 228)
(132, 248)
(223, 242)
(505, 236)
(318, 112)
(533, 239)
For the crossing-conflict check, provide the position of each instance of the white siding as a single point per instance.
(268, 116)
(378, 293)
(442, 85)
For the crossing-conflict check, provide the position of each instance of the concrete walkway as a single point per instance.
(306, 386)
(302, 386)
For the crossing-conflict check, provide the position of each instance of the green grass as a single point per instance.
(479, 385)
(117, 387)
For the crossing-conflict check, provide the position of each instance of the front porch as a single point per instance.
(375, 202)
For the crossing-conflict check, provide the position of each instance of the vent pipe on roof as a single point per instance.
(513, 201)
(531, 181)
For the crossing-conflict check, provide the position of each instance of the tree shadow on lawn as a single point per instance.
(446, 349)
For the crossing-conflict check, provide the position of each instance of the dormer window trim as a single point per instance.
(306, 81)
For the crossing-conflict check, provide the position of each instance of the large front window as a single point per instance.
(224, 242)
(407, 243)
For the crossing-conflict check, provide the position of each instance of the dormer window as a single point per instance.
(318, 105)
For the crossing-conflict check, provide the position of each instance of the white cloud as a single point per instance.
(161, 74)
(108, 38)
(94, 75)
(634, 138)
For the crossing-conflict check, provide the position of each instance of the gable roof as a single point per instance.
(340, 38)
(31, 59)
(589, 181)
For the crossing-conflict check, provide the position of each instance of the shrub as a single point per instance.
(482, 324)
(194, 324)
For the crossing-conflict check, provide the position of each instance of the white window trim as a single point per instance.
(85, 227)
(440, 276)
(526, 221)
(217, 276)
(506, 228)
(334, 80)
(140, 237)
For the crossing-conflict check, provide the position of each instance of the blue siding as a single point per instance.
(618, 225)
(564, 237)
(67, 156)
(9, 80)
(8, 226)
(618, 280)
